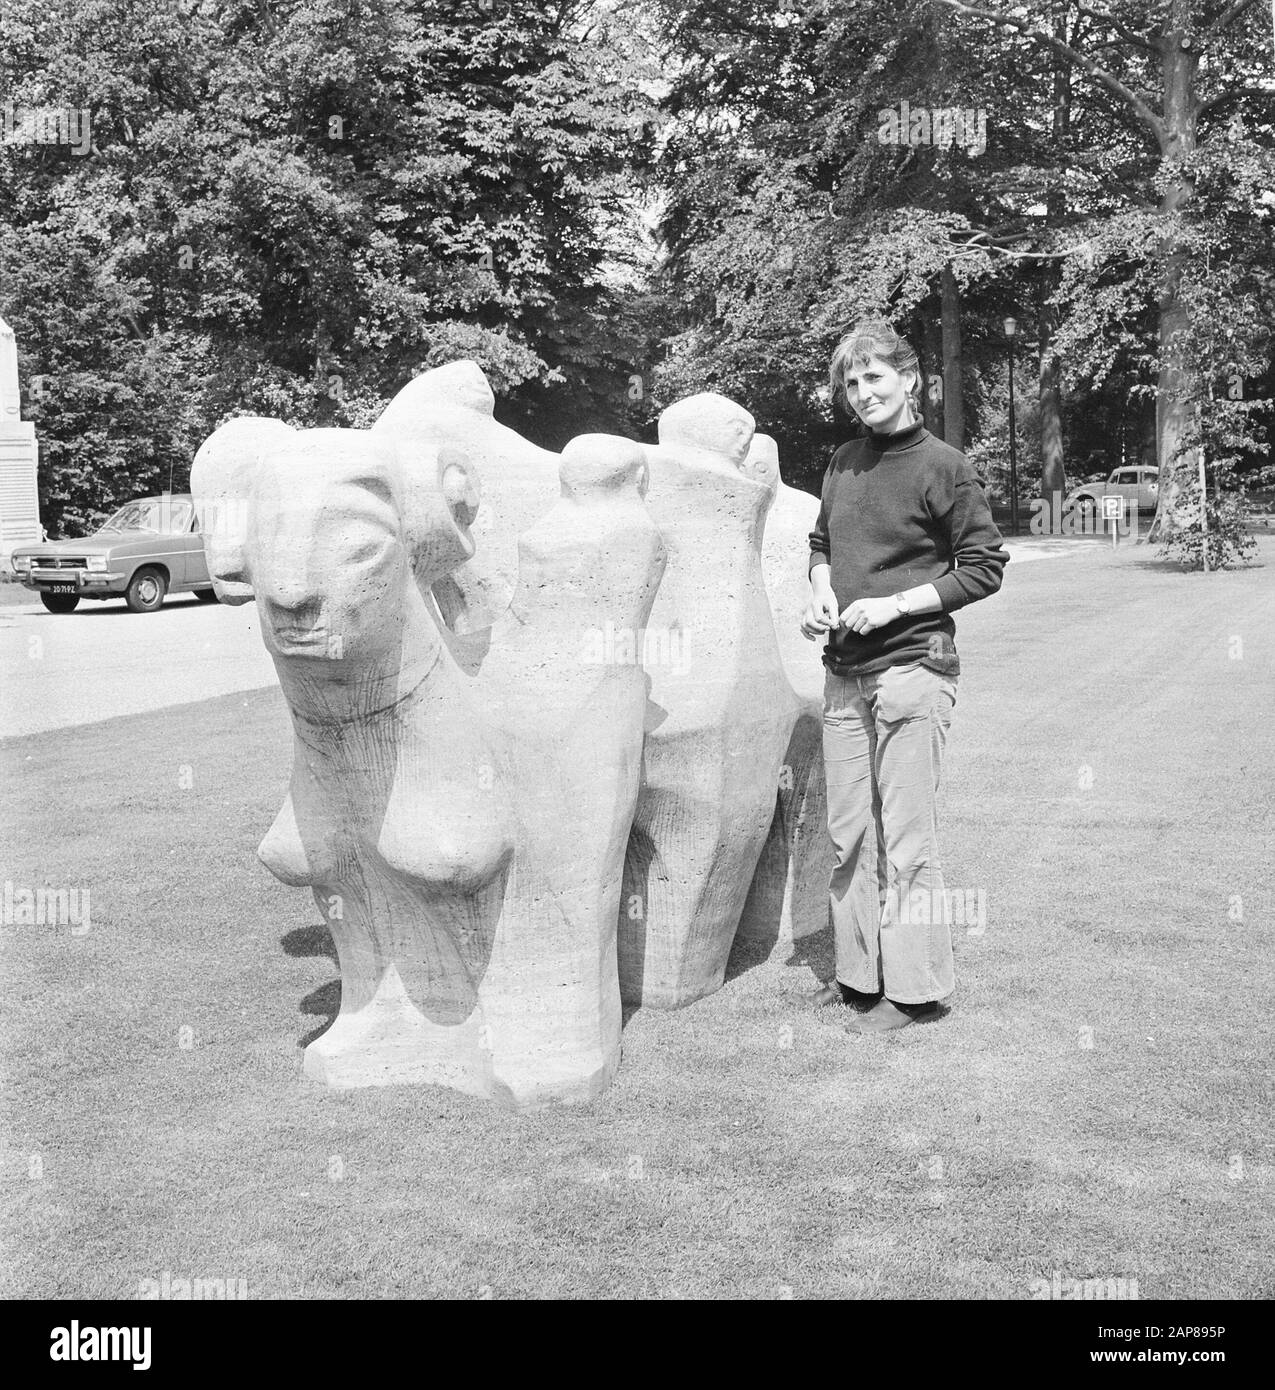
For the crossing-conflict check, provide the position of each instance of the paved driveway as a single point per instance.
(57, 670)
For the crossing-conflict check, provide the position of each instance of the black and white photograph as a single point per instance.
(638, 665)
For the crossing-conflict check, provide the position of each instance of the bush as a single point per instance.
(1227, 537)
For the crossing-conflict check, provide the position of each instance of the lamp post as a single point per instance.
(1011, 331)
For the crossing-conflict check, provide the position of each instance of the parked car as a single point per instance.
(150, 548)
(1141, 485)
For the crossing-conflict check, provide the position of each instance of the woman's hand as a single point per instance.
(820, 616)
(867, 614)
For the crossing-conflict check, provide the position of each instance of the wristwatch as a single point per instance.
(904, 606)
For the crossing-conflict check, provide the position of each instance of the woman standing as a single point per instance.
(904, 537)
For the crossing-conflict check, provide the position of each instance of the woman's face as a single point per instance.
(878, 395)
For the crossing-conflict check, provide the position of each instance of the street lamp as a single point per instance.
(1011, 331)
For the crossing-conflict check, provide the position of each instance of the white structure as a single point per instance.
(19, 504)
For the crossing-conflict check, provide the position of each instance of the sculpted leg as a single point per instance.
(719, 716)
(788, 899)
(572, 716)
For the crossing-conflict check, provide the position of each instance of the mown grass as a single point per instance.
(1109, 789)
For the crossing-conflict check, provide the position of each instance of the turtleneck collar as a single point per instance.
(900, 439)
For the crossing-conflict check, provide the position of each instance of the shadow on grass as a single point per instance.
(1165, 565)
(105, 608)
(109, 607)
(324, 1002)
(1153, 560)
(815, 950)
(746, 954)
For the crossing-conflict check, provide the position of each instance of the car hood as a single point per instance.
(100, 543)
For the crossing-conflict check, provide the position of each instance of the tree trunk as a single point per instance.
(1176, 384)
(953, 397)
(932, 361)
(1053, 476)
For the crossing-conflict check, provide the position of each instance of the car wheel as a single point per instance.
(206, 595)
(146, 591)
(60, 603)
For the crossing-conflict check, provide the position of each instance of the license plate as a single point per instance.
(61, 588)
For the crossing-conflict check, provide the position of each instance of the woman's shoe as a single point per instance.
(887, 1016)
(834, 992)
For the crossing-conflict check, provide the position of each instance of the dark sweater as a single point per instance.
(897, 511)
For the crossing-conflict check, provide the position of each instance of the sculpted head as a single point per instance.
(594, 465)
(709, 426)
(414, 411)
(346, 531)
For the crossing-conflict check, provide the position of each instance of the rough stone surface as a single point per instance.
(720, 709)
(452, 406)
(789, 894)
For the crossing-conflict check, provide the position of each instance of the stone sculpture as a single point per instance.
(427, 802)
(789, 894)
(453, 407)
(719, 719)
(551, 748)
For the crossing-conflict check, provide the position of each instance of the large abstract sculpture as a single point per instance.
(551, 749)
(427, 806)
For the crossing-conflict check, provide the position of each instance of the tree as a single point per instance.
(292, 207)
(1155, 73)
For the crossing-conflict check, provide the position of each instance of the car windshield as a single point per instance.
(156, 514)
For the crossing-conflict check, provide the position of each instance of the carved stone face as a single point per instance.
(326, 553)
(762, 462)
(346, 526)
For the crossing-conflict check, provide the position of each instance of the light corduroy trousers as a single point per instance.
(883, 739)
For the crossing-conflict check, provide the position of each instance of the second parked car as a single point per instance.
(1141, 486)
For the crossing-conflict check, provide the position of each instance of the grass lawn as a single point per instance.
(1096, 1103)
